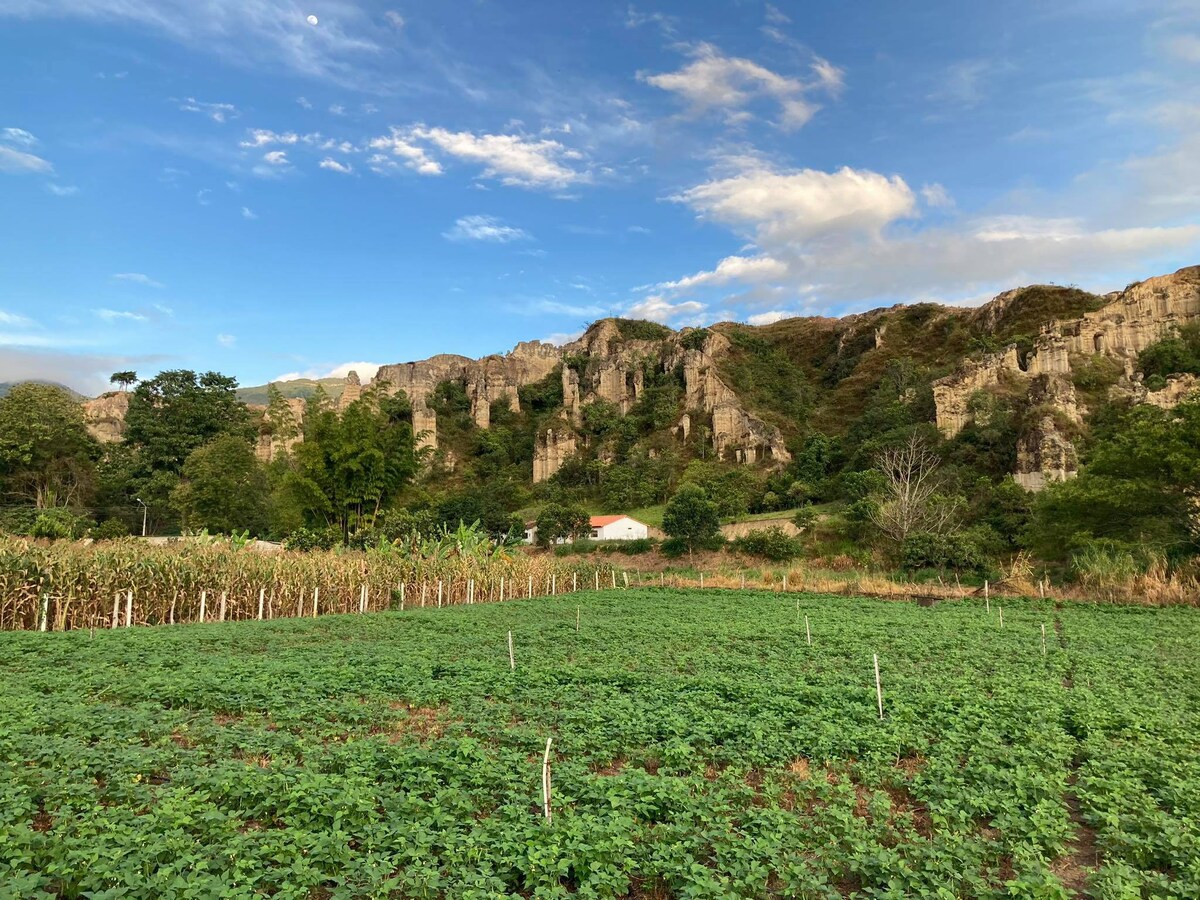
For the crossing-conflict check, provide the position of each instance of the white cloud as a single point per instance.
(713, 81)
(366, 371)
(12, 319)
(776, 16)
(398, 144)
(218, 112)
(731, 268)
(202, 196)
(276, 158)
(658, 309)
(797, 205)
(226, 340)
(62, 190)
(138, 278)
(17, 162)
(485, 228)
(337, 109)
(17, 136)
(248, 213)
(334, 166)
(393, 18)
(114, 315)
(562, 337)
(262, 137)
(513, 159)
(766, 318)
(1185, 47)
(936, 195)
(304, 103)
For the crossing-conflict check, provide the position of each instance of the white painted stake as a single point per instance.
(807, 631)
(529, 588)
(785, 581)
(574, 582)
(423, 588)
(402, 586)
(1043, 639)
(501, 588)
(116, 611)
(203, 605)
(577, 620)
(1001, 608)
(986, 597)
(1042, 588)
(743, 581)
(171, 614)
(625, 576)
(546, 780)
(701, 581)
(878, 686)
(262, 602)
(554, 585)
(614, 579)
(223, 600)
(128, 608)
(439, 593)
(597, 579)
(45, 608)
(316, 600)
(512, 659)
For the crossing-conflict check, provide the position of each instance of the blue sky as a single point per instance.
(220, 184)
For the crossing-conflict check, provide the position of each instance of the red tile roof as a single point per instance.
(601, 521)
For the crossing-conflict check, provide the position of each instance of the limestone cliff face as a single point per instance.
(487, 380)
(550, 450)
(1128, 323)
(105, 416)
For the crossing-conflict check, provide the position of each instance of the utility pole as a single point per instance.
(145, 510)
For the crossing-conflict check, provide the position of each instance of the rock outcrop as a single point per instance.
(1128, 323)
(486, 380)
(550, 450)
(279, 437)
(105, 416)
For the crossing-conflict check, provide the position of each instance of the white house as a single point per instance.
(604, 528)
(617, 528)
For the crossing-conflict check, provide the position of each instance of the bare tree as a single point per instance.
(910, 501)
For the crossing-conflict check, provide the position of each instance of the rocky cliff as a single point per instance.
(105, 416)
(1127, 323)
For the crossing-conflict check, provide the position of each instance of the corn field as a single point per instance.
(64, 585)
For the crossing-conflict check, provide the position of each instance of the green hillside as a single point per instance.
(301, 388)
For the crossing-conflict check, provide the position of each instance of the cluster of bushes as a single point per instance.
(584, 547)
(770, 543)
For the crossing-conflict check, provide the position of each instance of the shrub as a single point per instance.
(109, 530)
(635, 547)
(770, 543)
(923, 550)
(306, 539)
(58, 524)
(805, 517)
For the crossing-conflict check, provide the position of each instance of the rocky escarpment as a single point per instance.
(1129, 322)
(602, 365)
(105, 416)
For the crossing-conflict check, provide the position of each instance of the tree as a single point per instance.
(224, 487)
(124, 379)
(177, 411)
(280, 419)
(47, 456)
(910, 501)
(691, 518)
(559, 522)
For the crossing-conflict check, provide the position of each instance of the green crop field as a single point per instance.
(701, 748)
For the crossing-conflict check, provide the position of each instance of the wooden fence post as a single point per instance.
(546, 781)
(512, 659)
(116, 613)
(262, 601)
(203, 605)
(878, 686)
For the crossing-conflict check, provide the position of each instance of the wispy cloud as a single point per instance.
(248, 213)
(62, 190)
(485, 228)
(18, 137)
(116, 315)
(138, 278)
(713, 81)
(15, 320)
(218, 112)
(226, 340)
(334, 166)
(18, 162)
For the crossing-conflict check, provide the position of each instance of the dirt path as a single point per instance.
(1081, 859)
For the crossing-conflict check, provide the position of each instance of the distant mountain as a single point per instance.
(301, 388)
(6, 386)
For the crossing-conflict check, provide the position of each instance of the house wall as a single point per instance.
(621, 530)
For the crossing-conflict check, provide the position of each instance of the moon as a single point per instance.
(312, 20)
